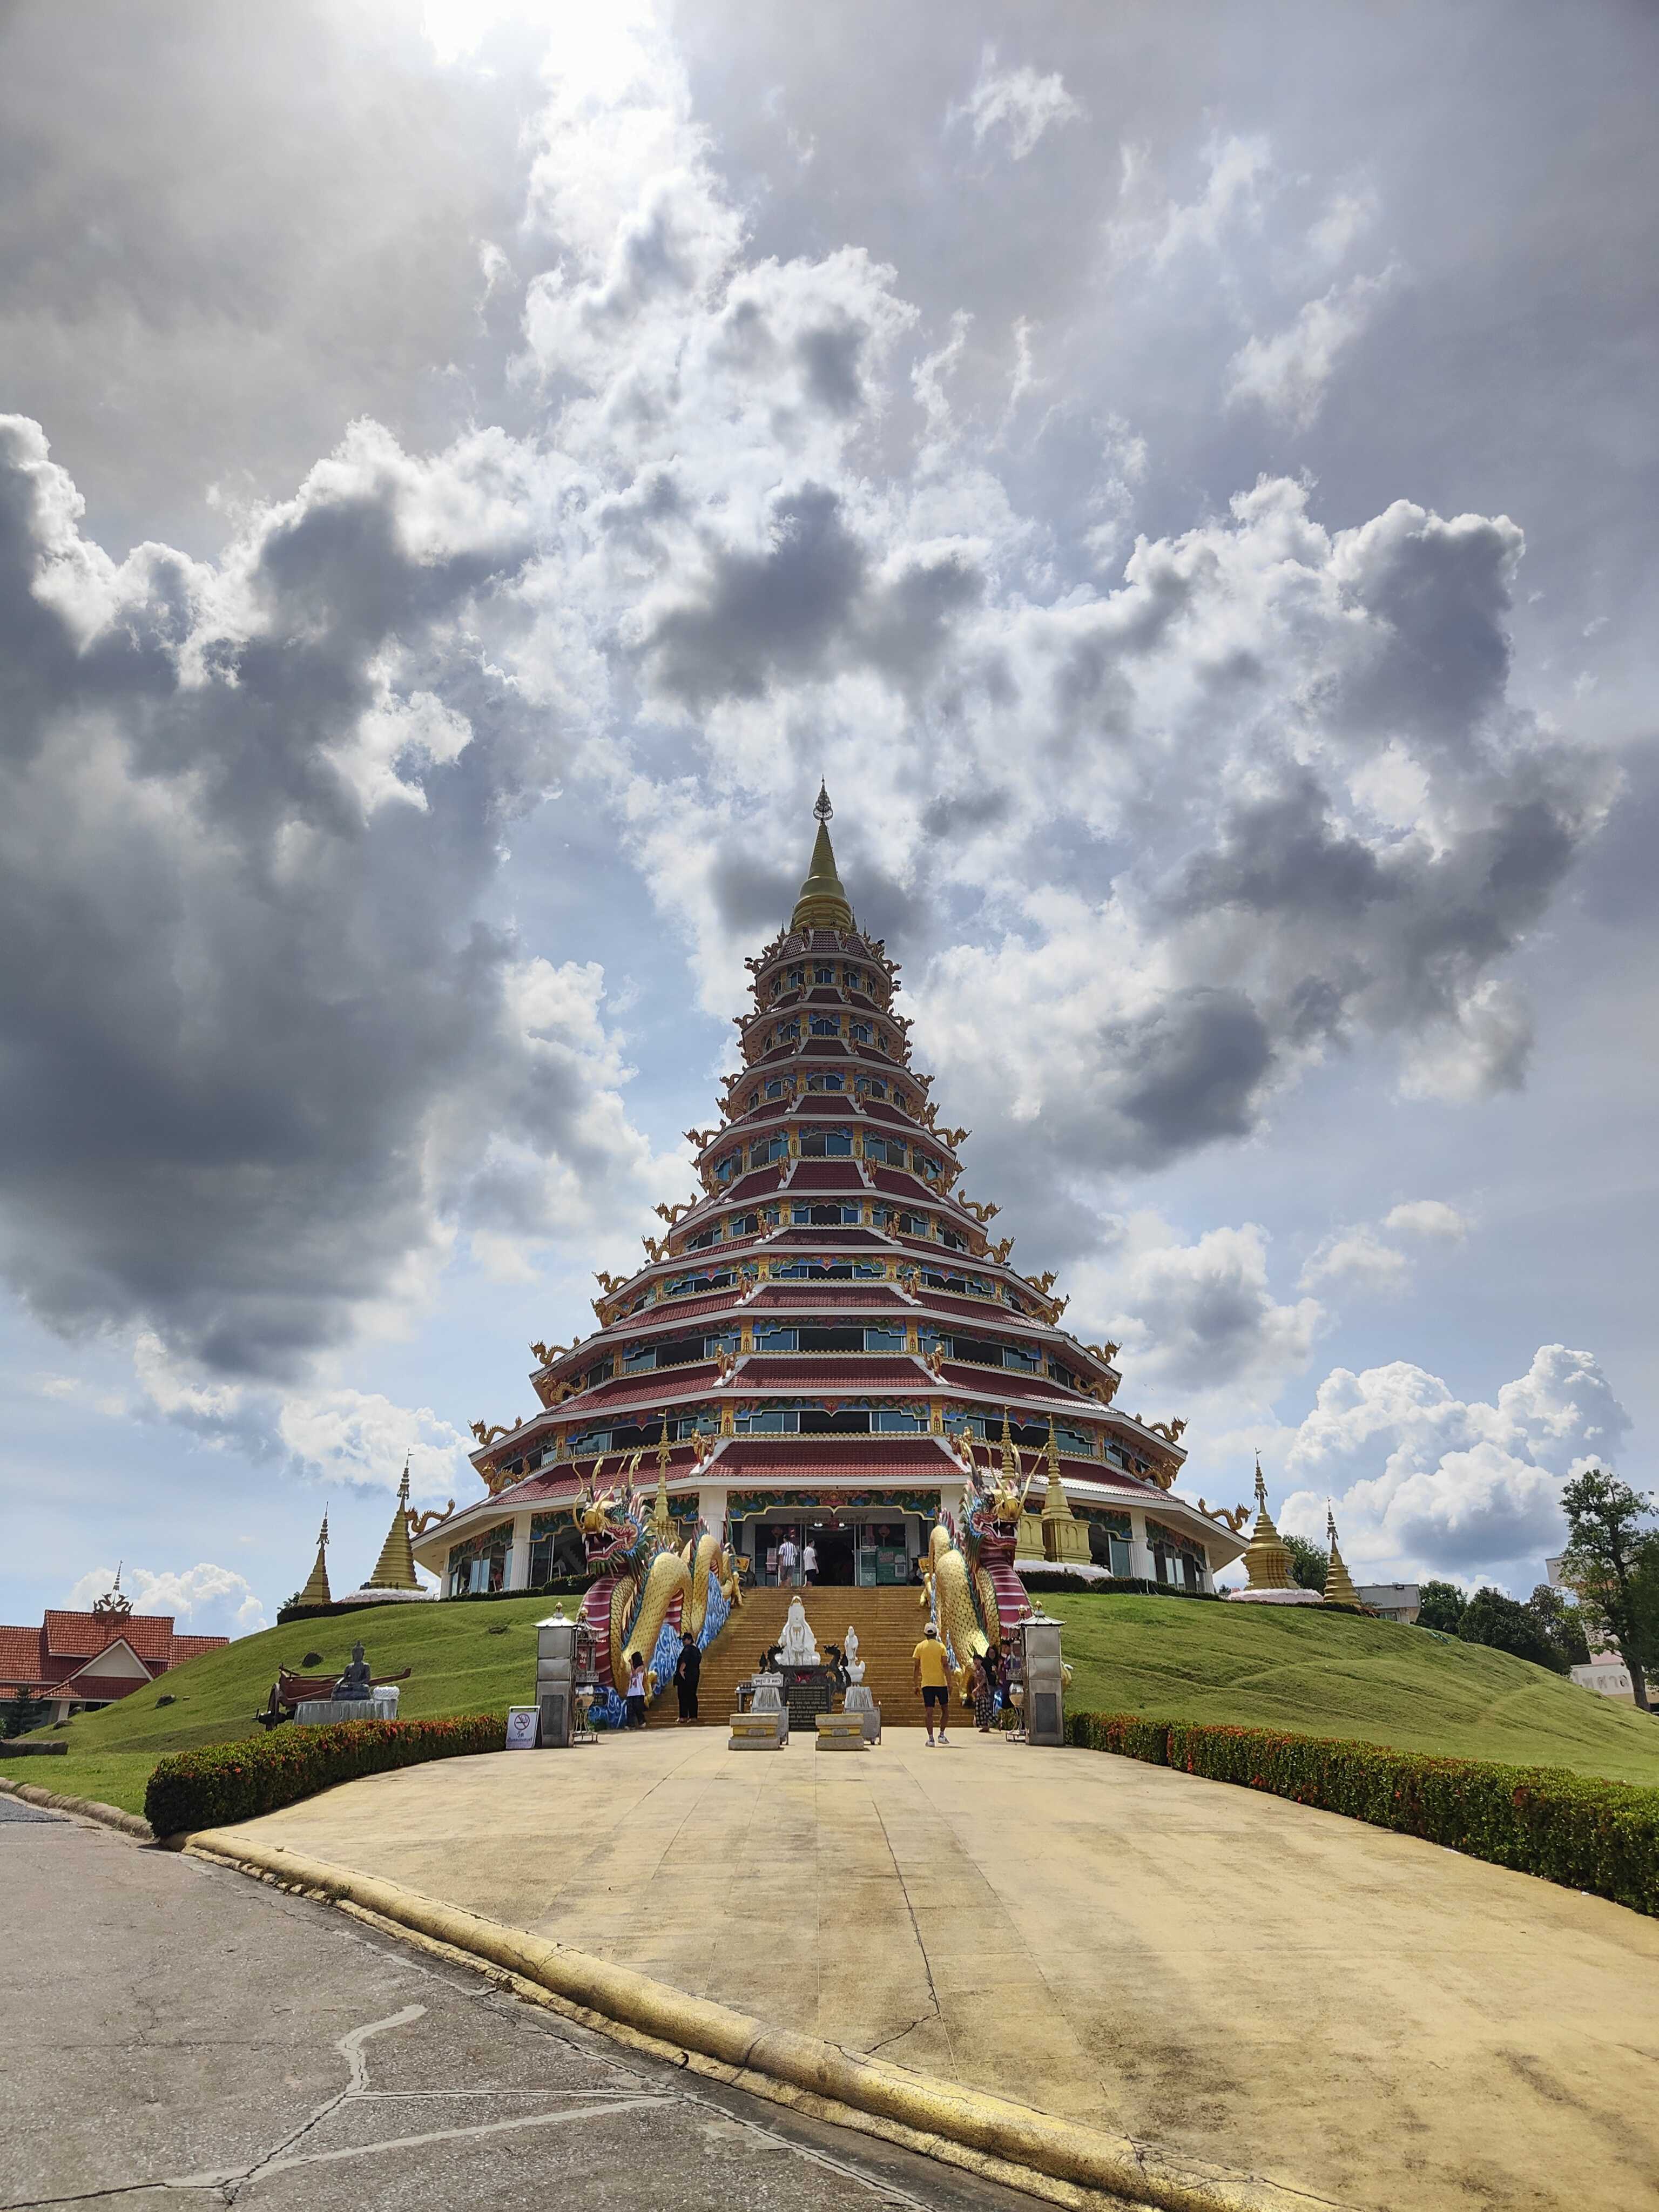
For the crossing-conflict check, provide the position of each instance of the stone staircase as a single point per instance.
(889, 1623)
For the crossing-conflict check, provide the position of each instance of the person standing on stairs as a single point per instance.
(786, 1556)
(687, 1668)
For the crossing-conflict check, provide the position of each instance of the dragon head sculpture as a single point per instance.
(612, 1523)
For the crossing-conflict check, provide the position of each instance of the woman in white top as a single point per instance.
(635, 1691)
(809, 1563)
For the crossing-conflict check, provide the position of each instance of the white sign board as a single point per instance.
(521, 1725)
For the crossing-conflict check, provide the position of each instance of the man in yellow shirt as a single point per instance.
(931, 1666)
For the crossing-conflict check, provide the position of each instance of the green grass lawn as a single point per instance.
(1337, 1674)
(1169, 1658)
(466, 1659)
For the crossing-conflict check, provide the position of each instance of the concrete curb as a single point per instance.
(1017, 2137)
(91, 1809)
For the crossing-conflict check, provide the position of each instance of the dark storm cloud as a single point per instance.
(808, 603)
(1187, 1074)
(235, 995)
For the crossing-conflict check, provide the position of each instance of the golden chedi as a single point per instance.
(1267, 1560)
(1338, 1586)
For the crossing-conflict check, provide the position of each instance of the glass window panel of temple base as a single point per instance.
(984, 1422)
(823, 1215)
(824, 1082)
(710, 1280)
(776, 1088)
(826, 1144)
(480, 1564)
(869, 1086)
(1177, 1560)
(827, 1271)
(883, 1340)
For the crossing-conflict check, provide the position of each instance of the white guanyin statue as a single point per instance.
(857, 1698)
(796, 1647)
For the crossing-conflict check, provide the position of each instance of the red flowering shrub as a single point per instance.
(239, 1780)
(1598, 1836)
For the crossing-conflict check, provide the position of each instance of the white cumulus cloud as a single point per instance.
(1017, 105)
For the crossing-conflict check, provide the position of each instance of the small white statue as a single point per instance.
(797, 1647)
(851, 1649)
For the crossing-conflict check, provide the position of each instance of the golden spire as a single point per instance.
(1056, 1506)
(823, 903)
(395, 1568)
(1010, 1459)
(1338, 1585)
(1267, 1556)
(316, 1591)
(662, 1521)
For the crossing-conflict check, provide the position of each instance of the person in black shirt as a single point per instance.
(687, 1668)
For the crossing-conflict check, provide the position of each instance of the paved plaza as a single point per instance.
(178, 2035)
(1228, 1977)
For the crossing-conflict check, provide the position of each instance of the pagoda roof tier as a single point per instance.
(853, 1460)
(781, 1297)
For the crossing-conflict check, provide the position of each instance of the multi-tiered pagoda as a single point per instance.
(814, 1344)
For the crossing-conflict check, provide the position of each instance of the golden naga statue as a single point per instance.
(698, 1137)
(545, 1354)
(1106, 1353)
(420, 1522)
(1171, 1431)
(953, 1136)
(981, 1213)
(487, 1436)
(670, 1214)
(1043, 1284)
(1231, 1517)
(656, 1248)
(608, 1283)
(999, 1252)
(495, 1479)
(625, 1541)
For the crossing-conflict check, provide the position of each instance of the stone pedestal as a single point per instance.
(841, 1732)
(753, 1731)
(379, 1705)
(862, 1702)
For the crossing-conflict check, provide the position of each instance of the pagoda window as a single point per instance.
(776, 1337)
(826, 1271)
(883, 1340)
(845, 1421)
(914, 1224)
(824, 1082)
(949, 1236)
(769, 1421)
(870, 1086)
(1064, 1376)
(743, 1224)
(824, 974)
(893, 1420)
(638, 1359)
(729, 1339)
(775, 1089)
(795, 978)
(927, 1166)
(700, 1243)
(937, 1280)
(777, 1148)
(829, 1339)
(1023, 1362)
(680, 1353)
(857, 979)
(825, 1025)
(682, 1286)
(860, 1032)
(785, 1032)
(726, 1169)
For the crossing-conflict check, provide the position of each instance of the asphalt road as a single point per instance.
(176, 2034)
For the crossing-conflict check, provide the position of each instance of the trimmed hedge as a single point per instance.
(1602, 1837)
(239, 1780)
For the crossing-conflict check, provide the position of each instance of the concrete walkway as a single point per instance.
(1228, 1977)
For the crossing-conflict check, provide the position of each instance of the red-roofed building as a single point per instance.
(76, 1661)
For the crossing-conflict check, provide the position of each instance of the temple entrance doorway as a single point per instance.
(834, 1547)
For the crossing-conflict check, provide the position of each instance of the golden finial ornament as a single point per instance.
(823, 903)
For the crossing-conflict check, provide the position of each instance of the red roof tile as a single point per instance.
(20, 1655)
(825, 1175)
(83, 1634)
(856, 1295)
(756, 1181)
(998, 1382)
(901, 1183)
(192, 1647)
(630, 1386)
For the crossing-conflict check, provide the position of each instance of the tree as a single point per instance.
(1308, 1562)
(1504, 1625)
(1560, 1623)
(1612, 1562)
(1440, 1606)
(21, 1713)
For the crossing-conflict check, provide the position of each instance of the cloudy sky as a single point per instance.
(1188, 482)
